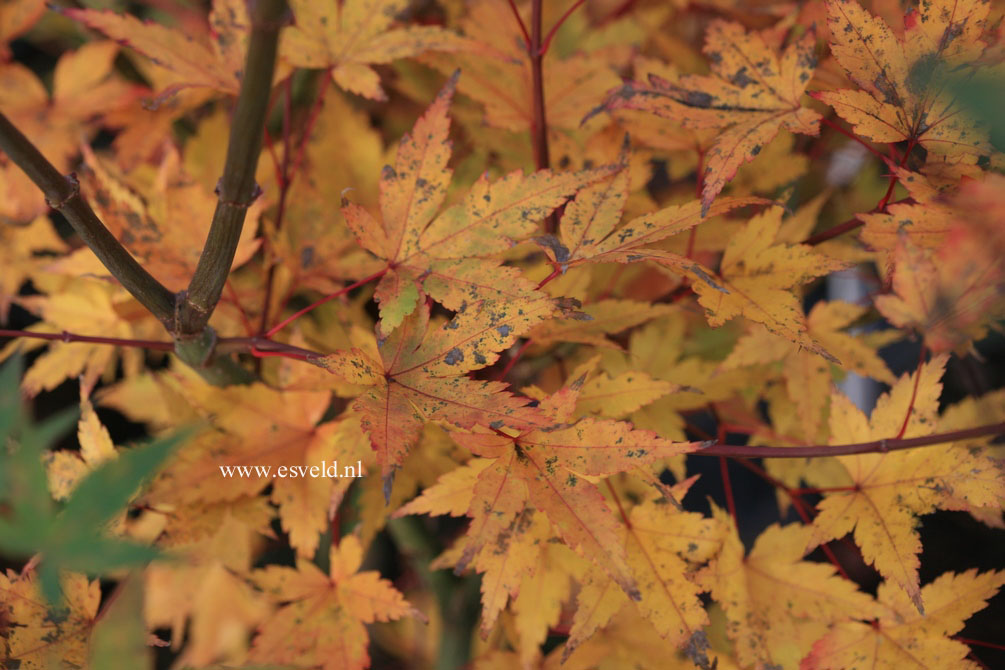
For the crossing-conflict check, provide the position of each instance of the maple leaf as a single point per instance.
(549, 469)
(777, 605)
(81, 305)
(903, 79)
(159, 216)
(420, 375)
(39, 638)
(348, 37)
(888, 491)
(84, 89)
(18, 245)
(951, 295)
(758, 275)
(218, 65)
(66, 468)
(257, 425)
(499, 76)
(901, 637)
(589, 231)
(435, 254)
(808, 379)
(754, 93)
(320, 621)
(661, 542)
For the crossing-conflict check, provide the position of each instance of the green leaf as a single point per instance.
(119, 639)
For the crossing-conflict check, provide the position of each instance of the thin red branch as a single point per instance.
(979, 643)
(523, 27)
(539, 118)
(914, 392)
(875, 446)
(728, 488)
(331, 296)
(513, 360)
(284, 189)
(617, 500)
(554, 273)
(90, 339)
(558, 24)
(846, 133)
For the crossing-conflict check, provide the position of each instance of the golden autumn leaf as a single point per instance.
(347, 38)
(902, 79)
(320, 621)
(777, 605)
(421, 375)
(755, 92)
(808, 377)
(952, 295)
(901, 637)
(84, 87)
(887, 492)
(758, 276)
(39, 639)
(550, 469)
(662, 544)
(437, 252)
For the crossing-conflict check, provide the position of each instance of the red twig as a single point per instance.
(523, 27)
(875, 446)
(331, 296)
(245, 321)
(846, 133)
(65, 336)
(617, 500)
(513, 359)
(554, 273)
(284, 188)
(979, 643)
(728, 487)
(558, 24)
(539, 119)
(914, 392)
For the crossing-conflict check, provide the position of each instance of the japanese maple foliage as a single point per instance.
(525, 264)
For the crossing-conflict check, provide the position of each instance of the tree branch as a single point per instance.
(876, 446)
(62, 193)
(237, 188)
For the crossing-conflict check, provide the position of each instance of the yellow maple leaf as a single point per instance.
(321, 618)
(903, 638)
(194, 60)
(420, 375)
(36, 640)
(777, 605)
(438, 252)
(952, 295)
(902, 79)
(758, 276)
(886, 492)
(84, 88)
(755, 92)
(347, 38)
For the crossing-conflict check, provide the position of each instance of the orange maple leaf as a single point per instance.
(321, 619)
(755, 93)
(903, 94)
(348, 37)
(420, 375)
(886, 492)
(901, 637)
(440, 253)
